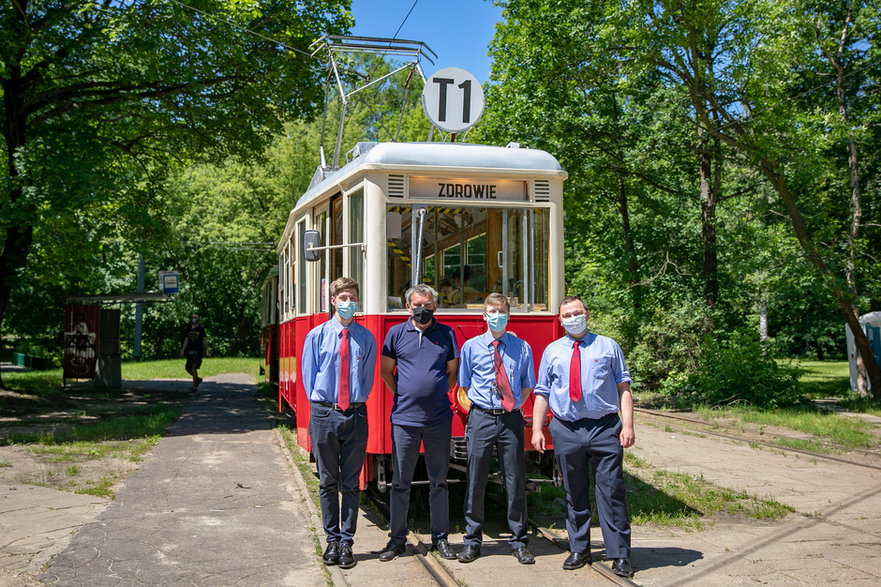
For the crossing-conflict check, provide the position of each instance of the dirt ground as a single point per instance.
(63, 463)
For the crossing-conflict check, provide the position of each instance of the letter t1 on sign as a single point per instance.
(453, 99)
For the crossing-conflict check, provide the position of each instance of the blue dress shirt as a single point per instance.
(477, 369)
(602, 369)
(321, 362)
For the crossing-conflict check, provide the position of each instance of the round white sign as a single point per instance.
(452, 99)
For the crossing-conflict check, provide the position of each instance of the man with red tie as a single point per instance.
(584, 381)
(497, 373)
(339, 357)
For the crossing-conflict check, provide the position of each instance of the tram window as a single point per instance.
(430, 272)
(541, 258)
(356, 235)
(321, 225)
(301, 270)
(285, 272)
(469, 252)
(452, 260)
(336, 238)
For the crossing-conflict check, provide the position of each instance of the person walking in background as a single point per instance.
(497, 373)
(194, 349)
(338, 363)
(584, 381)
(420, 360)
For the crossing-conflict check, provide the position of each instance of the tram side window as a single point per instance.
(292, 276)
(336, 238)
(356, 235)
(301, 270)
(541, 258)
(285, 272)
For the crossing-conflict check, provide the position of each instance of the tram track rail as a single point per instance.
(697, 426)
(419, 545)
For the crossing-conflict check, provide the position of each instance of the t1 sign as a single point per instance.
(452, 99)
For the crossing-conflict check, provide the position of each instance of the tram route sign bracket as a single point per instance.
(453, 99)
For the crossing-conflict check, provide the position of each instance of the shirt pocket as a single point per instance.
(600, 369)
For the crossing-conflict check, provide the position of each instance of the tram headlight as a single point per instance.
(462, 399)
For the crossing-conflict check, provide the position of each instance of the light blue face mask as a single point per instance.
(496, 321)
(346, 309)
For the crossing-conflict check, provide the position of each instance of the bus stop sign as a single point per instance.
(452, 99)
(169, 282)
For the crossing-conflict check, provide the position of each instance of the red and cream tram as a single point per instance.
(467, 219)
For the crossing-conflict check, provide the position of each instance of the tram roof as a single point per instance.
(462, 155)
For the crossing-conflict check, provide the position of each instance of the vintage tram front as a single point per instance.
(466, 219)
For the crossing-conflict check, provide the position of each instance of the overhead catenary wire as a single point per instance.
(241, 28)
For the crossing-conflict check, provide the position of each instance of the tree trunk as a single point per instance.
(709, 187)
(845, 307)
(20, 234)
(632, 262)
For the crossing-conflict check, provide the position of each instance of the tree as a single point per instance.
(92, 89)
(761, 101)
(779, 96)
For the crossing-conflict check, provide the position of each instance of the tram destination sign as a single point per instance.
(459, 190)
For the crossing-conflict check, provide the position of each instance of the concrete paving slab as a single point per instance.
(214, 503)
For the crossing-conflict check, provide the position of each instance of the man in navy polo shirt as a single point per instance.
(427, 360)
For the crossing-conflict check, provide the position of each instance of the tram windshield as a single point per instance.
(469, 252)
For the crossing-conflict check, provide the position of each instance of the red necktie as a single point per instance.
(343, 397)
(575, 373)
(502, 380)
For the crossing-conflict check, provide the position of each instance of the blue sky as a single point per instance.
(459, 31)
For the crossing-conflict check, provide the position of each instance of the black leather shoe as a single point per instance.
(331, 553)
(347, 559)
(576, 560)
(469, 553)
(621, 567)
(443, 548)
(392, 550)
(523, 556)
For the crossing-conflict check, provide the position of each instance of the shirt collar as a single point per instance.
(488, 338)
(411, 328)
(587, 338)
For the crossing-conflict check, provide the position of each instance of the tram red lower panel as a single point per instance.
(537, 330)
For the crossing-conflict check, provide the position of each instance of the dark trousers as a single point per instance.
(593, 443)
(405, 454)
(339, 440)
(194, 362)
(505, 432)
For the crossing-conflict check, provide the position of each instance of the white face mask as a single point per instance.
(575, 324)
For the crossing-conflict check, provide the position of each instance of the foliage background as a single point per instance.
(674, 234)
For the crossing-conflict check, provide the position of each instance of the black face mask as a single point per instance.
(423, 315)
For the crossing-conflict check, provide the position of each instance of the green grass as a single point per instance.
(48, 383)
(821, 379)
(848, 433)
(664, 498)
(174, 368)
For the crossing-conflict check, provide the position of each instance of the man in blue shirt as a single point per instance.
(584, 380)
(419, 365)
(497, 373)
(339, 358)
